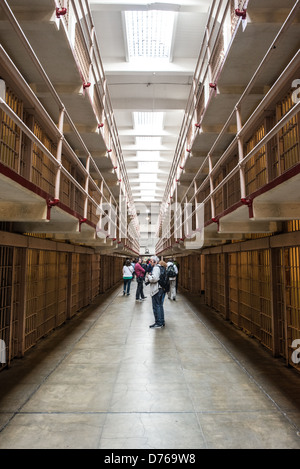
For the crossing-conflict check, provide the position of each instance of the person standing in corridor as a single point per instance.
(156, 293)
(164, 265)
(127, 277)
(140, 274)
(172, 273)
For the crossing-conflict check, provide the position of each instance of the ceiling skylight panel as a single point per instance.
(148, 155)
(149, 33)
(149, 186)
(148, 142)
(147, 194)
(147, 167)
(148, 120)
(147, 177)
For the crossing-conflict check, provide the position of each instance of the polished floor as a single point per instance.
(106, 380)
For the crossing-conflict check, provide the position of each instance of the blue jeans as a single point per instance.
(158, 309)
(127, 282)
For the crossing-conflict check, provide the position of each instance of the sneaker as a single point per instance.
(174, 299)
(158, 326)
(153, 325)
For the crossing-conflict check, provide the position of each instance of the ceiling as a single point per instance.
(150, 85)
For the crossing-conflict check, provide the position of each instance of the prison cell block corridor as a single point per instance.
(106, 380)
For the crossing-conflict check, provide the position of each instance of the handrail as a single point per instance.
(266, 99)
(52, 158)
(287, 22)
(108, 110)
(249, 86)
(188, 112)
(17, 28)
(286, 118)
(28, 132)
(190, 103)
(45, 116)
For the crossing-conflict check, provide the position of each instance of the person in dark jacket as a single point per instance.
(149, 266)
(140, 274)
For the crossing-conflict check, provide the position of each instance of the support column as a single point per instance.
(28, 150)
(22, 302)
(69, 285)
(226, 286)
(211, 183)
(240, 153)
(274, 261)
(59, 153)
(86, 186)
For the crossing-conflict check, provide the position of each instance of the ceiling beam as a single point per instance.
(189, 6)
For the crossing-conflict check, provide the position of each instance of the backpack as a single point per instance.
(171, 271)
(163, 279)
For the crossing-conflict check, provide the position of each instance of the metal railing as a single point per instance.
(63, 147)
(235, 145)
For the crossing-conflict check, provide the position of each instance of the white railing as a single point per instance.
(63, 146)
(176, 223)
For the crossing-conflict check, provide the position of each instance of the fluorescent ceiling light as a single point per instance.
(149, 33)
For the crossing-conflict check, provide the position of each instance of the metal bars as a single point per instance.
(276, 144)
(10, 133)
(6, 297)
(90, 68)
(259, 152)
(41, 288)
(261, 289)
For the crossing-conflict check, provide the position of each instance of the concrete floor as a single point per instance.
(105, 380)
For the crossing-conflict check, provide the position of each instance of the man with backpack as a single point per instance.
(156, 293)
(172, 273)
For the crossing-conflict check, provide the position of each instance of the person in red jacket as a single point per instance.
(140, 274)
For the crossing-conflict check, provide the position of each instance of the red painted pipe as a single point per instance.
(60, 12)
(242, 13)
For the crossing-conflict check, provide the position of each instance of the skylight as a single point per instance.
(153, 120)
(147, 167)
(149, 186)
(148, 177)
(149, 143)
(149, 33)
(148, 155)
